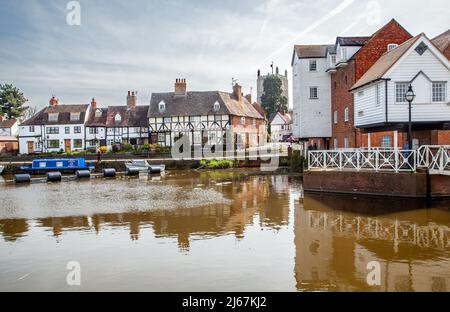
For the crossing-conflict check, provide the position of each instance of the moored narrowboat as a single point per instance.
(63, 165)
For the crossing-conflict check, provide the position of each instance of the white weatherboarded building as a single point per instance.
(379, 95)
(312, 91)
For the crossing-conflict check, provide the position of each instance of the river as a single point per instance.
(216, 231)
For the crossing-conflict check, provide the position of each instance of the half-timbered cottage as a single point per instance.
(204, 116)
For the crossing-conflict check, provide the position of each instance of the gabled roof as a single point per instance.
(64, 111)
(285, 117)
(8, 123)
(312, 51)
(129, 116)
(384, 63)
(197, 103)
(442, 42)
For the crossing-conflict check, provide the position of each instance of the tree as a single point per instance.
(11, 101)
(272, 99)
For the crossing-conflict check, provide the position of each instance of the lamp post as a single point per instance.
(410, 96)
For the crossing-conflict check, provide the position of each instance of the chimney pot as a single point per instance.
(53, 101)
(180, 87)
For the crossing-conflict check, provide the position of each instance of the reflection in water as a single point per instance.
(218, 231)
(334, 246)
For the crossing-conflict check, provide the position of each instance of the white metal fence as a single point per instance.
(434, 157)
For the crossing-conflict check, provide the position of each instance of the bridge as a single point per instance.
(434, 158)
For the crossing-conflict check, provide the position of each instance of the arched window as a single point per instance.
(117, 118)
(162, 106)
(216, 106)
(98, 113)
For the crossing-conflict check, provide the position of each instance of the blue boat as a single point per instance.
(64, 164)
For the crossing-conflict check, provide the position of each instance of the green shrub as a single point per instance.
(216, 164)
(127, 148)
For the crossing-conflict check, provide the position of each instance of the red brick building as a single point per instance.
(355, 56)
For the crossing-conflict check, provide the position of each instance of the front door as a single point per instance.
(30, 147)
(67, 145)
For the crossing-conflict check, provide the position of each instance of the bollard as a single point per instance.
(132, 171)
(109, 173)
(22, 178)
(154, 169)
(54, 176)
(83, 174)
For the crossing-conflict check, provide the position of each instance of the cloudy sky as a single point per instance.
(144, 45)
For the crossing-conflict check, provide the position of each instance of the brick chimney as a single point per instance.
(180, 87)
(131, 99)
(93, 103)
(249, 98)
(53, 101)
(237, 92)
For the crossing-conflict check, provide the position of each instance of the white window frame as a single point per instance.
(377, 95)
(216, 106)
(313, 96)
(335, 143)
(117, 118)
(344, 54)
(31, 129)
(333, 60)
(74, 116)
(242, 120)
(346, 114)
(386, 139)
(400, 98)
(313, 65)
(162, 106)
(443, 90)
(346, 142)
(391, 46)
(335, 117)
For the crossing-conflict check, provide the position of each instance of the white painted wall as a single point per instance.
(312, 118)
(279, 129)
(367, 110)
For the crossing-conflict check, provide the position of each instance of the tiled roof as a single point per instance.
(129, 117)
(352, 41)
(64, 111)
(384, 63)
(7, 123)
(198, 103)
(260, 109)
(97, 121)
(312, 51)
(285, 117)
(442, 42)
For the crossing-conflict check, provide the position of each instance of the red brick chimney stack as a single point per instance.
(131, 99)
(237, 91)
(93, 103)
(180, 87)
(53, 101)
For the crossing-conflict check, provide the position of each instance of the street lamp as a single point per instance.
(410, 96)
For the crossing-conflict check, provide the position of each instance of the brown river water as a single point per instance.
(216, 231)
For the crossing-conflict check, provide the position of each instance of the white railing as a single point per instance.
(377, 159)
(434, 157)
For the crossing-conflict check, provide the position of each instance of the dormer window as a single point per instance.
(162, 106)
(391, 46)
(117, 118)
(53, 117)
(98, 113)
(216, 106)
(74, 116)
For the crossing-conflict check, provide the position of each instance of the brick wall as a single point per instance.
(345, 77)
(341, 82)
(377, 46)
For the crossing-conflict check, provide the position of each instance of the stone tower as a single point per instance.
(260, 84)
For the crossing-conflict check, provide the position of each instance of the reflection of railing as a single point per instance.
(396, 231)
(434, 157)
(377, 159)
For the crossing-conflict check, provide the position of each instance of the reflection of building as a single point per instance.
(333, 247)
(251, 201)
